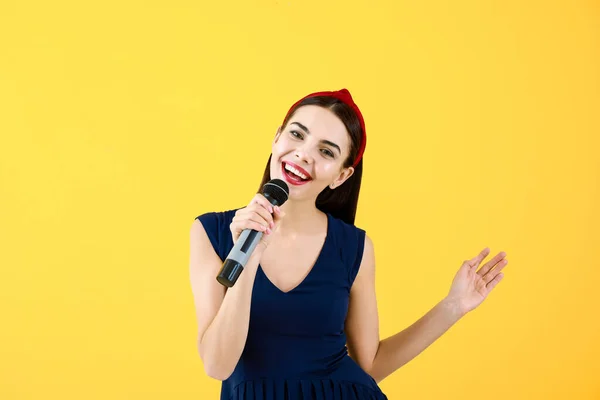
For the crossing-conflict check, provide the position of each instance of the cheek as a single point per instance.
(280, 146)
(328, 171)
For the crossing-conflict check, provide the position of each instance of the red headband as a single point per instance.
(343, 95)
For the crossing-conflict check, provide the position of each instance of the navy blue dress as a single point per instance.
(296, 345)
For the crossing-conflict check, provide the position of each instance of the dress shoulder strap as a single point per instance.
(350, 241)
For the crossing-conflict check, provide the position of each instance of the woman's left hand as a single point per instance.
(470, 287)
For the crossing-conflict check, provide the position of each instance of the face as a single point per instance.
(309, 152)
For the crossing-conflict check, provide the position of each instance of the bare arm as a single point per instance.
(469, 288)
(223, 314)
(381, 358)
(397, 350)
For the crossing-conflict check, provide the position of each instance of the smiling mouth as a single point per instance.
(294, 175)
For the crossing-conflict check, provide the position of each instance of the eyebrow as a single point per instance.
(304, 128)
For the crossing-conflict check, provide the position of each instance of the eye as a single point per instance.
(327, 152)
(296, 134)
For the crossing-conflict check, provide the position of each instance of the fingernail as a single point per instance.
(268, 231)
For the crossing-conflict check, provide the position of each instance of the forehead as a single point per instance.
(322, 123)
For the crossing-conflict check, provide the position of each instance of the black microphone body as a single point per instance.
(276, 192)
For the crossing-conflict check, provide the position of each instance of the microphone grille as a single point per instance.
(277, 190)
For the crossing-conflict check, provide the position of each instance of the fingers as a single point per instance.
(260, 209)
(475, 261)
(262, 200)
(494, 282)
(238, 226)
(277, 216)
(248, 219)
(490, 264)
(257, 215)
(490, 275)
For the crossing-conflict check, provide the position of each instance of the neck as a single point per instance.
(301, 217)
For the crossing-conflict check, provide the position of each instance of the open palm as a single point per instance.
(471, 286)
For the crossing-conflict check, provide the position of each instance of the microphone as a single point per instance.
(277, 192)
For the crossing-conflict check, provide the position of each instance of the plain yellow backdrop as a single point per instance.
(121, 122)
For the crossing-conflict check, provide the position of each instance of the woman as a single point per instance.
(301, 322)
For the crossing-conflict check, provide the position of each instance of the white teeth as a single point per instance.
(295, 171)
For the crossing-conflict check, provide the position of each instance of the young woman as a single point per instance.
(301, 321)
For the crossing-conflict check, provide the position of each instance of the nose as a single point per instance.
(303, 155)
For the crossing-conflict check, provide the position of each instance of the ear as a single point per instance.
(342, 177)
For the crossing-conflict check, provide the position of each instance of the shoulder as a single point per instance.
(368, 256)
(216, 225)
(216, 216)
(347, 233)
(351, 242)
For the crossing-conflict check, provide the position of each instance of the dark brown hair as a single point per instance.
(340, 202)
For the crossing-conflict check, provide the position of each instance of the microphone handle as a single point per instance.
(238, 257)
(241, 252)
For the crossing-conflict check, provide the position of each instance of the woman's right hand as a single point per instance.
(259, 215)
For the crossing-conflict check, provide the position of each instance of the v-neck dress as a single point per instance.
(296, 344)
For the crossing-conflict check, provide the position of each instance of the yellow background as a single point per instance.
(121, 122)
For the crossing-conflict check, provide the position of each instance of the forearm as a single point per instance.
(223, 341)
(397, 350)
